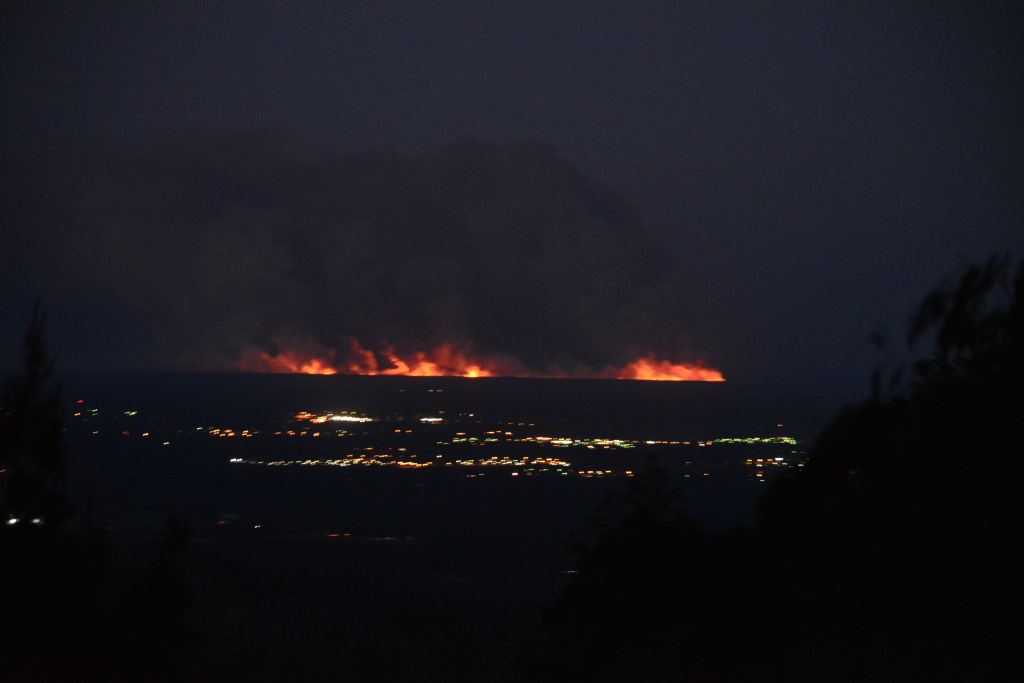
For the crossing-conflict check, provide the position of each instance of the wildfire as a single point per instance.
(444, 361)
(650, 368)
(449, 360)
(285, 361)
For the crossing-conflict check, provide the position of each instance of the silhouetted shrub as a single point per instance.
(890, 554)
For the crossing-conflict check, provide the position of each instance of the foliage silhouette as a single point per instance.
(909, 501)
(31, 441)
(52, 578)
(890, 554)
(62, 614)
(652, 583)
(156, 599)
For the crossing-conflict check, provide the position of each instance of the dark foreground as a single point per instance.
(375, 572)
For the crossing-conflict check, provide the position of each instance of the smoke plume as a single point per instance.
(199, 247)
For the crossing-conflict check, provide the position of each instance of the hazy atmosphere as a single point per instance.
(251, 253)
(756, 188)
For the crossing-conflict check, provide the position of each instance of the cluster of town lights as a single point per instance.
(446, 449)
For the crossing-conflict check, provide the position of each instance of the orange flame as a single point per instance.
(255, 360)
(444, 361)
(649, 368)
(448, 360)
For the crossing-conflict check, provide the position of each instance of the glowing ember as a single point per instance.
(448, 360)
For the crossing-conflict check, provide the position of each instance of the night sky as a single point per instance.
(756, 186)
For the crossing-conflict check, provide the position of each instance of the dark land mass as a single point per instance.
(296, 559)
(887, 551)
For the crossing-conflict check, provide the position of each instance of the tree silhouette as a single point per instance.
(890, 554)
(898, 535)
(32, 457)
(652, 598)
(156, 598)
(52, 580)
(61, 615)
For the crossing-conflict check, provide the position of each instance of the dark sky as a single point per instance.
(758, 186)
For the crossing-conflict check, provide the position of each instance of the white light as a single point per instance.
(12, 521)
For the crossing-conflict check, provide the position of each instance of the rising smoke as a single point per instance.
(201, 246)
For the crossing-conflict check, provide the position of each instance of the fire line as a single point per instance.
(448, 360)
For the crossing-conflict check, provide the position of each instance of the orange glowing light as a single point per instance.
(444, 361)
(256, 360)
(449, 360)
(649, 368)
